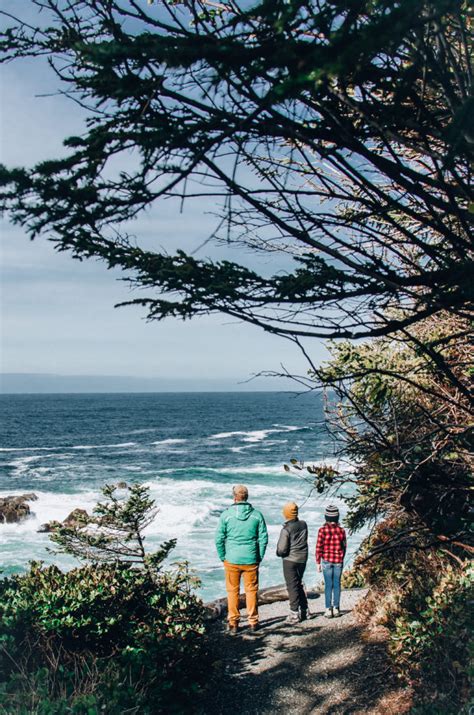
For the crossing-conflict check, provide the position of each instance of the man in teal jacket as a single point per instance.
(241, 540)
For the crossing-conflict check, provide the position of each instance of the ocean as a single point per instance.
(189, 448)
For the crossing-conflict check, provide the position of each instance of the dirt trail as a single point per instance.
(321, 666)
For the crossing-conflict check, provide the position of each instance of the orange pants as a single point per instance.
(233, 572)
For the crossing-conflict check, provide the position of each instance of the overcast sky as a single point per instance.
(57, 314)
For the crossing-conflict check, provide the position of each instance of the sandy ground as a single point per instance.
(321, 666)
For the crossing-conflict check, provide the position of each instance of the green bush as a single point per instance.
(425, 604)
(116, 635)
(434, 646)
(100, 634)
(353, 578)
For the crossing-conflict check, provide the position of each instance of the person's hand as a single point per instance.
(319, 568)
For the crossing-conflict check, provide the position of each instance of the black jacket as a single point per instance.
(293, 542)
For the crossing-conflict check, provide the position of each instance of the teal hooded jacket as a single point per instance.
(241, 536)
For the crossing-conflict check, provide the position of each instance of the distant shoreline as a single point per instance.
(29, 383)
(151, 392)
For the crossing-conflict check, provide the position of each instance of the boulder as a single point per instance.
(30, 496)
(49, 526)
(77, 517)
(15, 508)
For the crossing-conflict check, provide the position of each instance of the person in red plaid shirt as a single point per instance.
(330, 551)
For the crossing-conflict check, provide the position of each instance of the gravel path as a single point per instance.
(321, 666)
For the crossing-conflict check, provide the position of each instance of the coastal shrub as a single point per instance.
(108, 631)
(405, 426)
(424, 603)
(352, 578)
(110, 636)
(411, 572)
(433, 646)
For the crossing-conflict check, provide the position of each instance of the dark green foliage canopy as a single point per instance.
(115, 635)
(104, 637)
(334, 133)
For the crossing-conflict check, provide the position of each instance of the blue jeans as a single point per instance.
(332, 583)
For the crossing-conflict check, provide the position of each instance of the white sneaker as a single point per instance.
(328, 613)
(336, 612)
(294, 617)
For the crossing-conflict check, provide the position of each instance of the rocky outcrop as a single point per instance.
(14, 509)
(48, 527)
(77, 517)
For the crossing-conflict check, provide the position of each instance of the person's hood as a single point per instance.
(242, 510)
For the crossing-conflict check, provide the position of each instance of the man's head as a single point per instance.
(240, 492)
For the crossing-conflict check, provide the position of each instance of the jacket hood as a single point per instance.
(242, 510)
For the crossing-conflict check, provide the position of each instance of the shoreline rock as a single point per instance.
(15, 508)
(77, 517)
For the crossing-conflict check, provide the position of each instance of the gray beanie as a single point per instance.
(332, 512)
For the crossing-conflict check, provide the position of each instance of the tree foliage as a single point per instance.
(406, 432)
(334, 136)
(434, 642)
(334, 133)
(115, 530)
(118, 634)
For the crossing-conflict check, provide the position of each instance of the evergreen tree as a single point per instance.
(334, 132)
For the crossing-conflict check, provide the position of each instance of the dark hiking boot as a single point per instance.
(232, 630)
(253, 628)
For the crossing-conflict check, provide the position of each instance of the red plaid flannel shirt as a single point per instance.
(331, 544)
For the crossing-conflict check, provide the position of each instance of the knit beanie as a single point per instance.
(332, 512)
(290, 510)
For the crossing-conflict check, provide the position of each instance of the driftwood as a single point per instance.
(218, 608)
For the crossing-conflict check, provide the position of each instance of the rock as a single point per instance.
(30, 496)
(48, 527)
(77, 517)
(15, 508)
(122, 485)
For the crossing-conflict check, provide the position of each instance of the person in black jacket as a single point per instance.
(292, 547)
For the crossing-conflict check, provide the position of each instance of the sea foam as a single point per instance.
(257, 435)
(103, 446)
